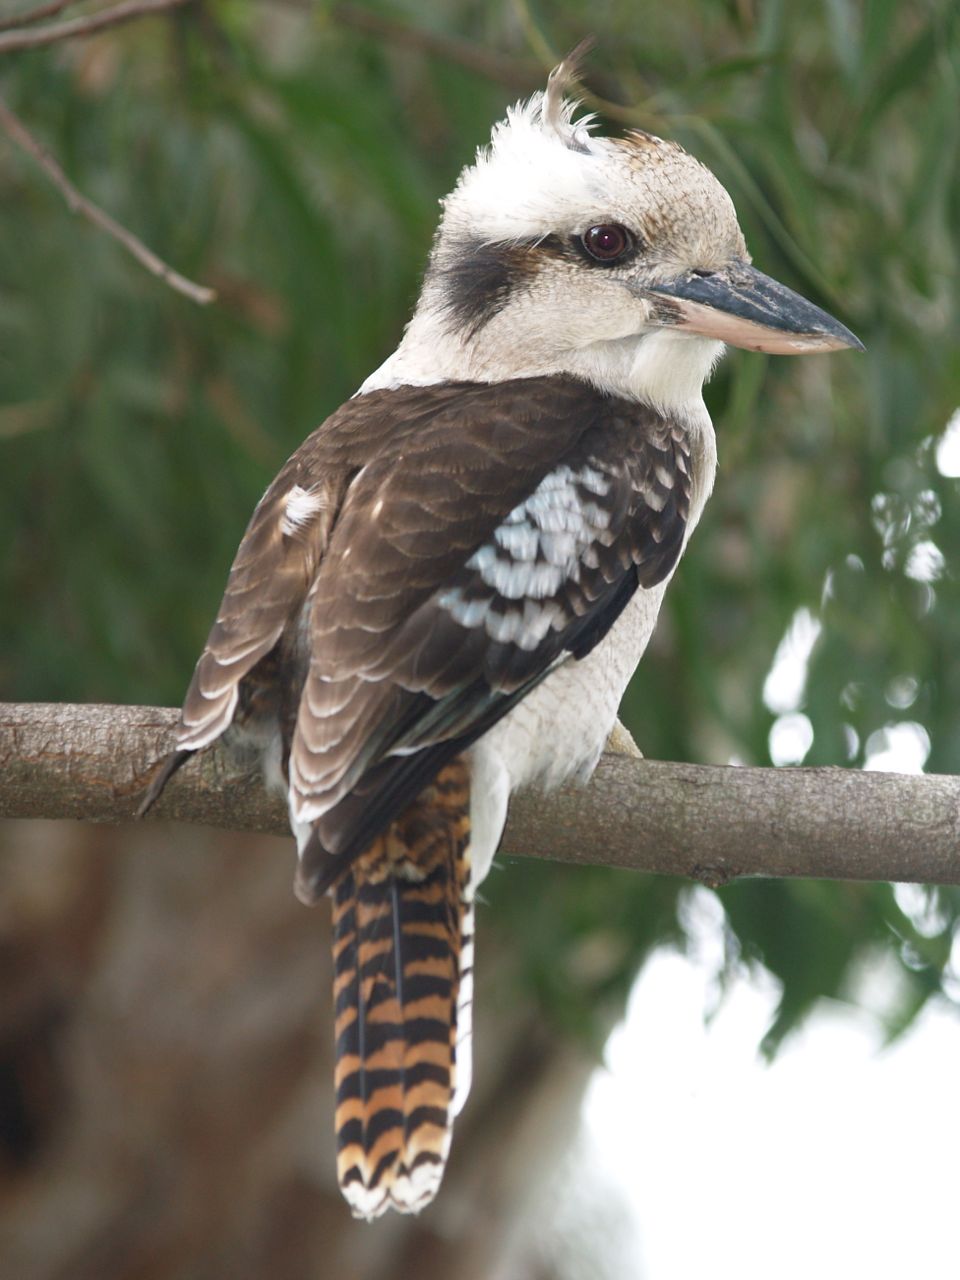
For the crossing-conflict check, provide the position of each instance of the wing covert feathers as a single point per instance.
(403, 953)
(418, 565)
(507, 532)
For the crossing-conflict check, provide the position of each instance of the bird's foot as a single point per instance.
(621, 743)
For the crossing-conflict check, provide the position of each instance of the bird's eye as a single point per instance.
(608, 242)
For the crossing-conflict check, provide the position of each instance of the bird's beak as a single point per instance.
(742, 306)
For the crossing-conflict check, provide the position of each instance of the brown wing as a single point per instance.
(426, 557)
(458, 574)
(268, 584)
(459, 454)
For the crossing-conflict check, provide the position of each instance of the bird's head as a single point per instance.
(619, 259)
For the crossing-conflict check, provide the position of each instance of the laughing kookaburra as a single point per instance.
(443, 594)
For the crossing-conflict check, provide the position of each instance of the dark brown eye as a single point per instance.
(608, 242)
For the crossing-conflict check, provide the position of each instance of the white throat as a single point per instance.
(662, 367)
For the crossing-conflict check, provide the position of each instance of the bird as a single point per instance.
(443, 594)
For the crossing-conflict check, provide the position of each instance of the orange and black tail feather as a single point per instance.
(398, 924)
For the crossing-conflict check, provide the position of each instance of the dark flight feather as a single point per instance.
(450, 544)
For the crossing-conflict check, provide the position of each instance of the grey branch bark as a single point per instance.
(707, 822)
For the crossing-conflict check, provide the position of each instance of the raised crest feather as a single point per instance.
(556, 111)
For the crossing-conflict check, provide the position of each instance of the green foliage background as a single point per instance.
(292, 155)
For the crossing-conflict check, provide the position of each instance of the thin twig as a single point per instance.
(515, 73)
(78, 203)
(29, 16)
(85, 26)
(522, 74)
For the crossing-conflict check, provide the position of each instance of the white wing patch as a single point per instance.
(300, 508)
(543, 543)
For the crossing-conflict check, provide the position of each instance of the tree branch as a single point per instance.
(37, 14)
(87, 25)
(18, 133)
(714, 824)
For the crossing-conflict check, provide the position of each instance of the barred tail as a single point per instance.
(402, 945)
